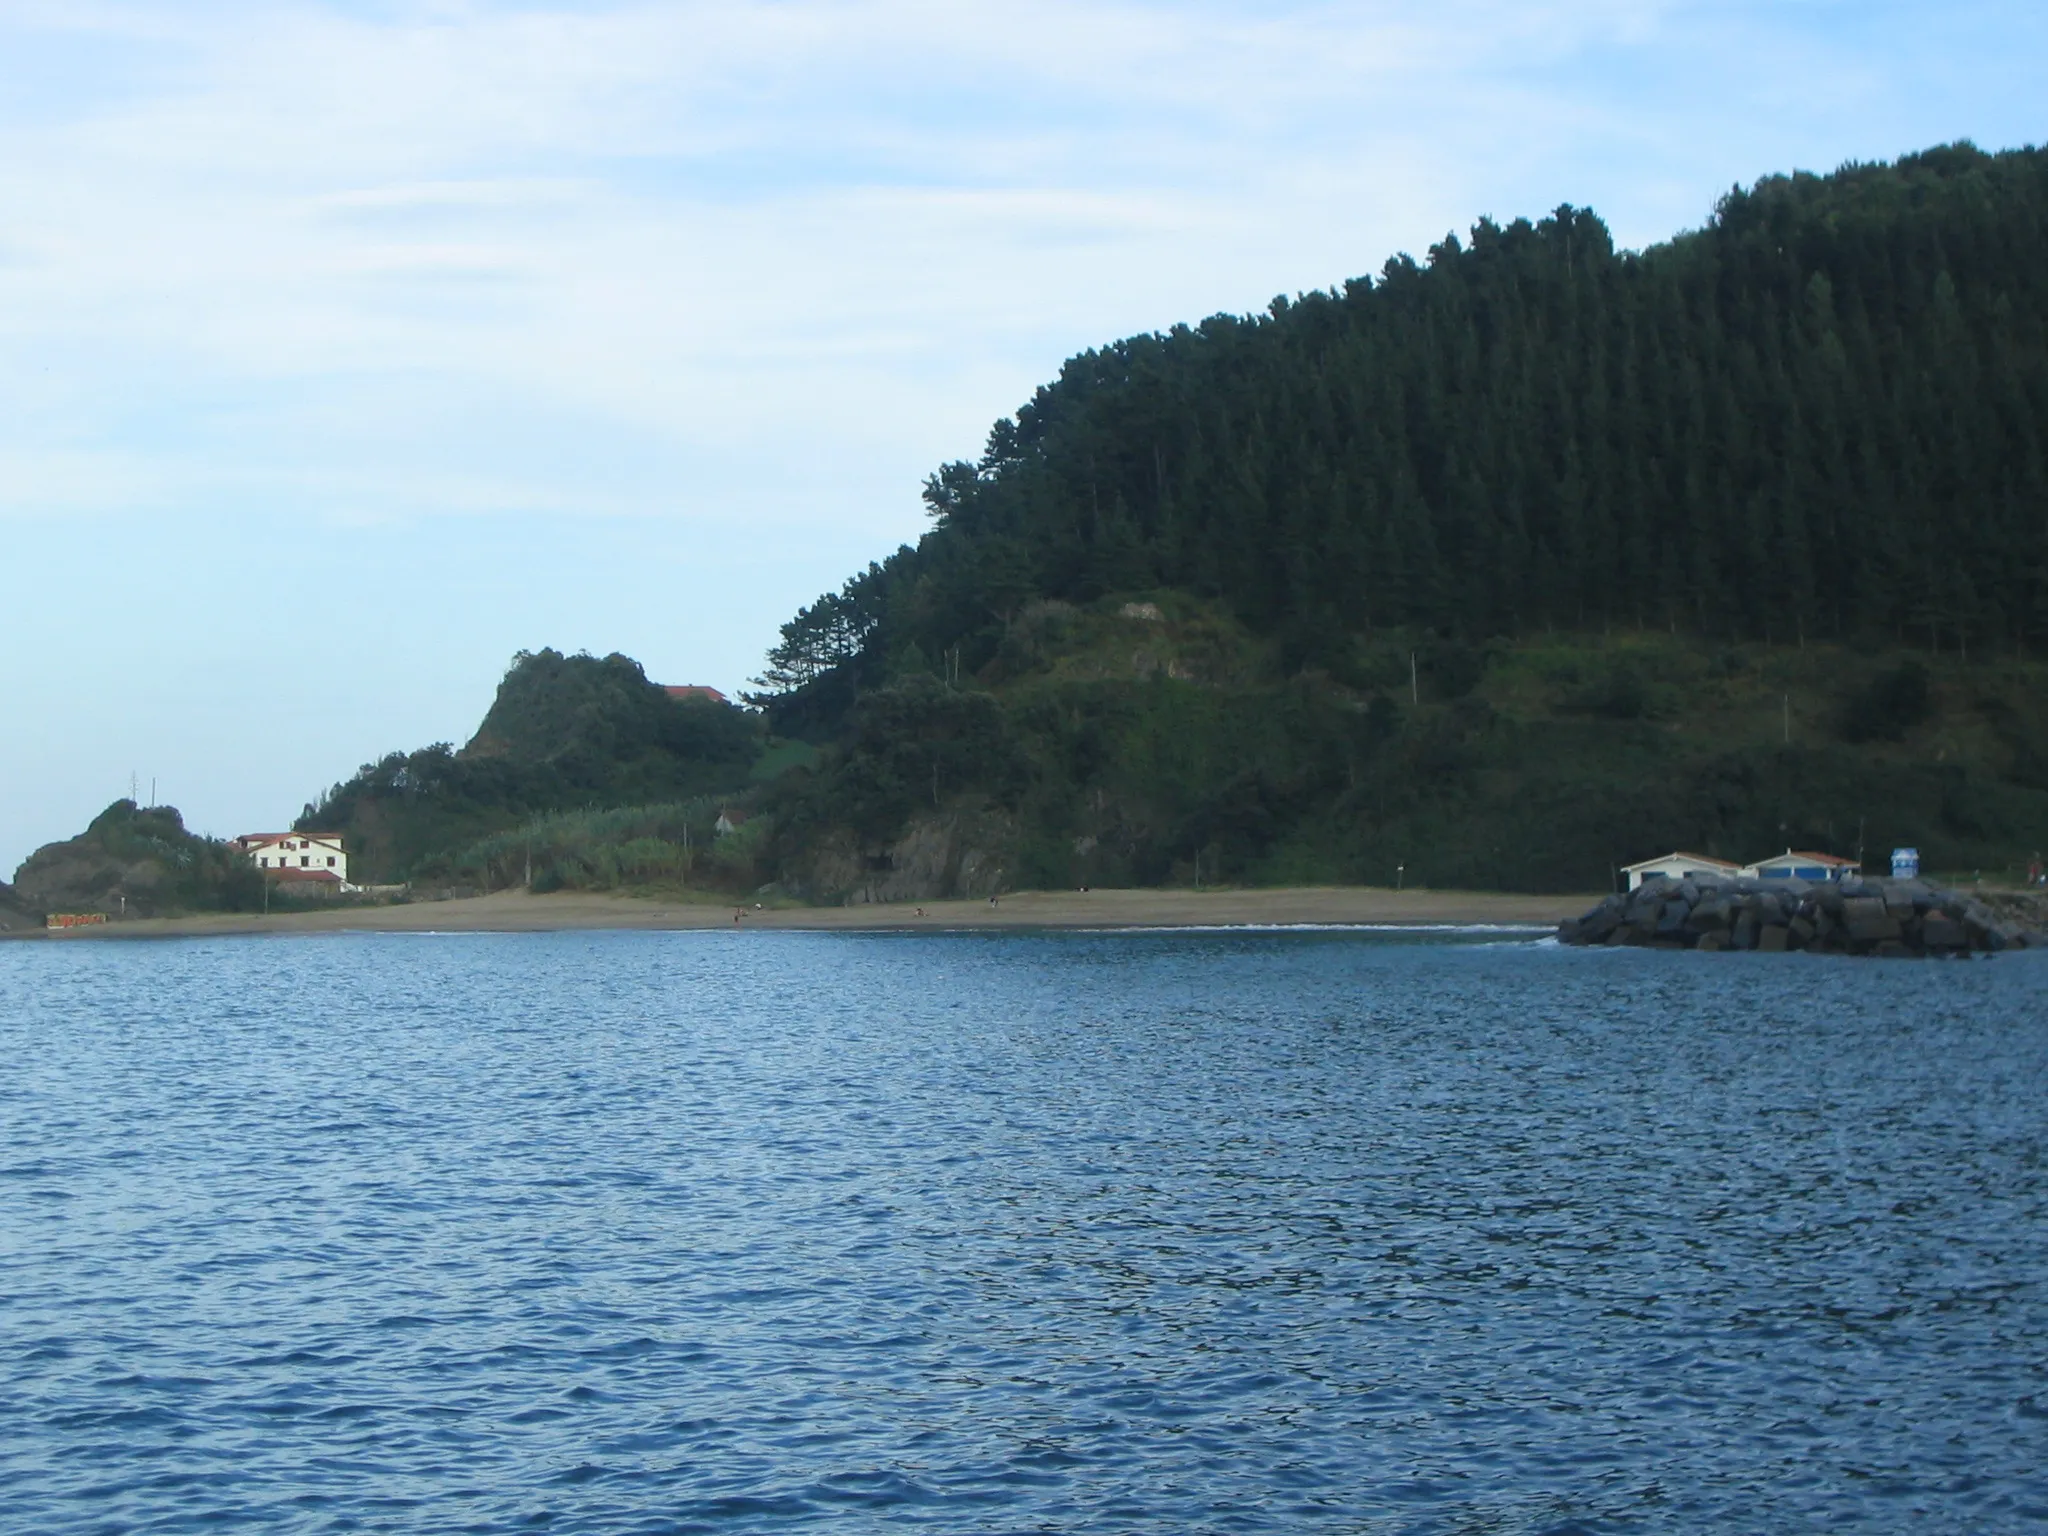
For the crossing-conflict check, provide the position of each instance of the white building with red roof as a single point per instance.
(1791, 865)
(296, 857)
(1676, 866)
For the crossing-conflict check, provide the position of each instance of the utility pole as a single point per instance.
(1414, 687)
(1788, 719)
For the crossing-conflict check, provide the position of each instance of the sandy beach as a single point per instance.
(518, 912)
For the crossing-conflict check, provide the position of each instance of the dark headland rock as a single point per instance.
(132, 861)
(1888, 918)
(15, 912)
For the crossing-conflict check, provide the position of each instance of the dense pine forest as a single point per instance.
(1823, 415)
(1500, 569)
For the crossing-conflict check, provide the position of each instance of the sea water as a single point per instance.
(770, 1232)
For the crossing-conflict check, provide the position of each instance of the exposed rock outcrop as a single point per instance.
(1888, 918)
(15, 912)
(938, 857)
(137, 862)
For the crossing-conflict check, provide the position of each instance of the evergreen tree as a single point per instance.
(1820, 415)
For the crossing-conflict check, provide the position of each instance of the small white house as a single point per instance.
(296, 856)
(1676, 866)
(1812, 867)
(728, 823)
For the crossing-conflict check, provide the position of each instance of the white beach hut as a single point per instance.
(1811, 867)
(1676, 866)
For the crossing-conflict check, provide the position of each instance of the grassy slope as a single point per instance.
(1742, 750)
(1527, 765)
(1146, 735)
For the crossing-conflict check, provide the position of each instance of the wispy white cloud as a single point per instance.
(284, 201)
(733, 226)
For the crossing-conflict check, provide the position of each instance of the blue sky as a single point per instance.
(347, 349)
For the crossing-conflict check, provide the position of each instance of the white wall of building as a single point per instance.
(300, 851)
(1676, 866)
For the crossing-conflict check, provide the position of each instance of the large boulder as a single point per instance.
(1939, 931)
(1868, 920)
(1598, 925)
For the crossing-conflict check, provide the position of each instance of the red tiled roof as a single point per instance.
(693, 691)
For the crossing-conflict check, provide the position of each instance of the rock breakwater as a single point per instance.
(1886, 918)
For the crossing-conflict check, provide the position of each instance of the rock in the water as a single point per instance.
(1869, 920)
(1940, 931)
(1888, 918)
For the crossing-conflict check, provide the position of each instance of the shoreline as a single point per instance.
(587, 911)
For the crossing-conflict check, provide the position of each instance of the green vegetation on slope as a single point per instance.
(1497, 570)
(1825, 415)
(1625, 516)
(668, 848)
(139, 863)
(1145, 751)
(564, 732)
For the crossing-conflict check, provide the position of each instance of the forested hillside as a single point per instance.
(1824, 415)
(1497, 569)
(564, 732)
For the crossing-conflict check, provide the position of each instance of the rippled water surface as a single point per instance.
(1067, 1233)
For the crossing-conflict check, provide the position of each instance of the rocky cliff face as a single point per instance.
(76, 877)
(15, 913)
(1886, 918)
(136, 862)
(939, 857)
